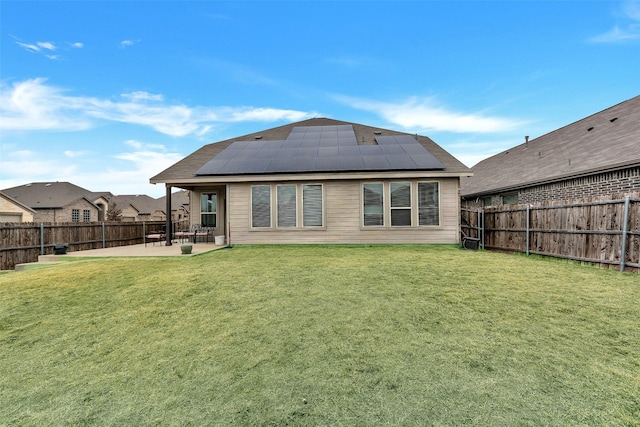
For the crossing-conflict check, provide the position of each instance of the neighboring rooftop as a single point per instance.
(50, 195)
(604, 141)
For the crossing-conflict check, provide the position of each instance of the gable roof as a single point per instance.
(141, 202)
(358, 137)
(604, 141)
(48, 195)
(16, 203)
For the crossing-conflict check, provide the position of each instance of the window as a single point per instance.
(400, 203)
(510, 199)
(312, 205)
(428, 203)
(295, 206)
(75, 215)
(86, 215)
(208, 209)
(287, 206)
(402, 209)
(486, 201)
(373, 204)
(261, 206)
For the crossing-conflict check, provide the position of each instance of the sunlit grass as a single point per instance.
(320, 335)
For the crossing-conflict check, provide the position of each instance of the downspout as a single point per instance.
(167, 229)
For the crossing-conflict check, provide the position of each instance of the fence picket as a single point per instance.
(586, 230)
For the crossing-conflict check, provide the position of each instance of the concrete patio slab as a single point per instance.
(144, 250)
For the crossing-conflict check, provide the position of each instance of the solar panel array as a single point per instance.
(321, 149)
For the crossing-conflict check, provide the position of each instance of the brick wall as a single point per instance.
(617, 183)
(65, 214)
(605, 184)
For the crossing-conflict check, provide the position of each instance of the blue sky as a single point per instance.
(108, 94)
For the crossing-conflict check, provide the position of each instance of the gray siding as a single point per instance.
(343, 219)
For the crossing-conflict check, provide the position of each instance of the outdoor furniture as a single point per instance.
(156, 237)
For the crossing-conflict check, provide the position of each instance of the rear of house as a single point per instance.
(323, 181)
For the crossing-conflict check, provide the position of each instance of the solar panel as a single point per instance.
(321, 149)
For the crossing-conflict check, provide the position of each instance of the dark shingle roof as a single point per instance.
(48, 195)
(603, 141)
(365, 135)
(141, 202)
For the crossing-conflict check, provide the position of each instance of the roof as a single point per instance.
(48, 195)
(141, 202)
(607, 140)
(359, 137)
(17, 203)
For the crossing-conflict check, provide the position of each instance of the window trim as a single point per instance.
(273, 207)
(214, 195)
(387, 208)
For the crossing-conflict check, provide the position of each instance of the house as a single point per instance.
(139, 207)
(60, 202)
(323, 181)
(12, 210)
(596, 156)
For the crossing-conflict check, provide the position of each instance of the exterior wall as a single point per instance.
(128, 213)
(604, 184)
(194, 214)
(619, 182)
(343, 218)
(65, 214)
(10, 212)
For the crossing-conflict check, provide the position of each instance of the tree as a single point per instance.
(114, 214)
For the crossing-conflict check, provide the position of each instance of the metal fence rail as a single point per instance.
(605, 232)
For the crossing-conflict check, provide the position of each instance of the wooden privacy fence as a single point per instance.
(605, 232)
(22, 243)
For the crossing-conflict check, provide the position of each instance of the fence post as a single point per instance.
(41, 239)
(144, 233)
(528, 227)
(103, 236)
(482, 229)
(625, 230)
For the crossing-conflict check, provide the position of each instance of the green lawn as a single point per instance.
(321, 335)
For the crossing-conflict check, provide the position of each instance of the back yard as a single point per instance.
(320, 335)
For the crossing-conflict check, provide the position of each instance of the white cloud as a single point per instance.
(426, 115)
(28, 46)
(74, 154)
(34, 105)
(77, 45)
(46, 45)
(629, 30)
(128, 175)
(127, 43)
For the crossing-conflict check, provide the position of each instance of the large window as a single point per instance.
(208, 209)
(428, 203)
(312, 205)
(75, 215)
(373, 197)
(295, 206)
(401, 210)
(287, 206)
(86, 215)
(261, 206)
(400, 203)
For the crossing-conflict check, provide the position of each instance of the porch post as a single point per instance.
(168, 230)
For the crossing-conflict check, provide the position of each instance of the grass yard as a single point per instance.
(321, 336)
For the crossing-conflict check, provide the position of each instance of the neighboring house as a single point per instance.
(596, 156)
(60, 202)
(323, 181)
(180, 207)
(12, 210)
(139, 208)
